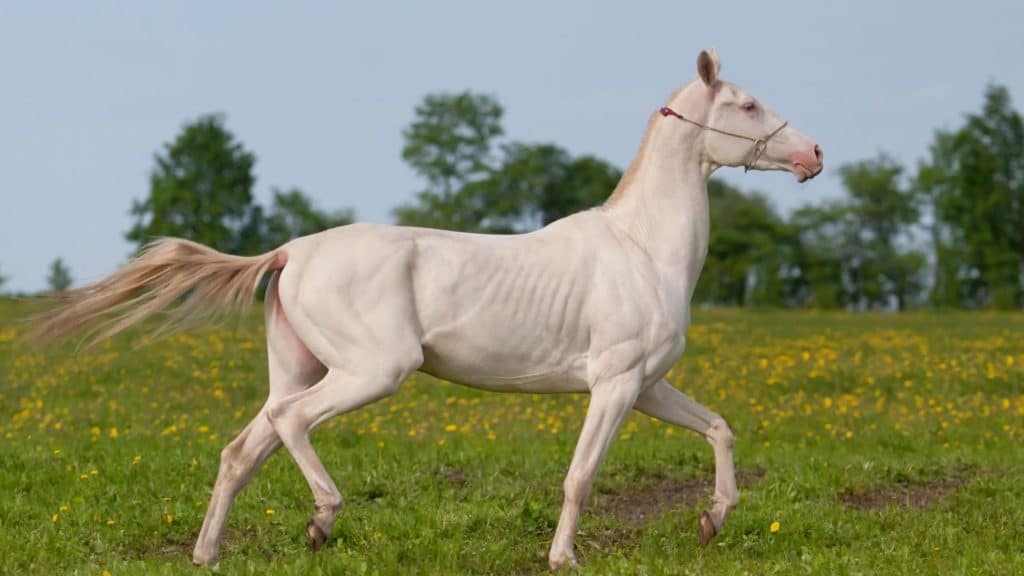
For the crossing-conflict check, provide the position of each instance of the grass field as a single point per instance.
(879, 444)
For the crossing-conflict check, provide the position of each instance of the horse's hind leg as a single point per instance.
(292, 369)
(339, 392)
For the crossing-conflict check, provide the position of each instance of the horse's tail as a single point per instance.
(189, 280)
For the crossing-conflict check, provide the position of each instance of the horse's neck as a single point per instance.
(662, 203)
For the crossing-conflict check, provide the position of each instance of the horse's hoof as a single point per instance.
(317, 537)
(203, 558)
(566, 562)
(706, 529)
(557, 561)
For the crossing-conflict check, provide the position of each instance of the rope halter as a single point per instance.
(760, 144)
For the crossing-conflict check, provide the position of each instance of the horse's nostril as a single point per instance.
(817, 153)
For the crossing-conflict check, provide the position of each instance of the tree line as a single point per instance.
(948, 232)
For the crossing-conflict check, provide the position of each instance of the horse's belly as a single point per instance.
(509, 370)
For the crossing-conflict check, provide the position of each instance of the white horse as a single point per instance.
(597, 302)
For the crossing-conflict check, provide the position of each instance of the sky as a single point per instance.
(320, 92)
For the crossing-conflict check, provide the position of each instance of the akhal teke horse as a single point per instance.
(596, 302)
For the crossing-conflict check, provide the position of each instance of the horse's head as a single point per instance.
(738, 129)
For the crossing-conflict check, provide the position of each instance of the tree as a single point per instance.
(537, 184)
(881, 211)
(974, 182)
(586, 181)
(59, 279)
(857, 252)
(293, 214)
(450, 145)
(3, 280)
(200, 189)
(748, 250)
(931, 184)
(820, 256)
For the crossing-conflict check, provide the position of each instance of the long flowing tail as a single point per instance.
(187, 280)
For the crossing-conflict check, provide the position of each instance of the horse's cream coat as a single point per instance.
(597, 302)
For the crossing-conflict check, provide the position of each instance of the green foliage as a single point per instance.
(855, 253)
(974, 182)
(819, 257)
(451, 144)
(880, 213)
(3, 280)
(584, 182)
(293, 214)
(748, 251)
(201, 189)
(860, 252)
(537, 184)
(59, 278)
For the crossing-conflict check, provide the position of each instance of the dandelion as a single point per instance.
(54, 518)
(270, 511)
(110, 522)
(451, 428)
(136, 459)
(168, 518)
(113, 432)
(774, 527)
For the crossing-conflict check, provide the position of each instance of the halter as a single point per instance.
(760, 144)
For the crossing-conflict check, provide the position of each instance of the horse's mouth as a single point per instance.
(803, 173)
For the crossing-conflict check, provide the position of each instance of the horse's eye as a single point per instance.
(749, 107)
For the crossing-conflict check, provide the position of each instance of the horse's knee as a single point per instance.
(719, 434)
(576, 486)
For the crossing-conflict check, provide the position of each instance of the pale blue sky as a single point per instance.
(320, 92)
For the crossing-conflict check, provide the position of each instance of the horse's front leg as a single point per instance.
(610, 402)
(664, 402)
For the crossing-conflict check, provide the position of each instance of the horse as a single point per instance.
(597, 302)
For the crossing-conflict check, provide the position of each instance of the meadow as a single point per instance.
(866, 444)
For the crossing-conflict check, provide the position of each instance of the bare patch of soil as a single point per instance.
(456, 477)
(637, 506)
(907, 495)
(169, 549)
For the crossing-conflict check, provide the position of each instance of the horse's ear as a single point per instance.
(708, 66)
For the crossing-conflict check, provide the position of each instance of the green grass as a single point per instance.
(107, 458)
